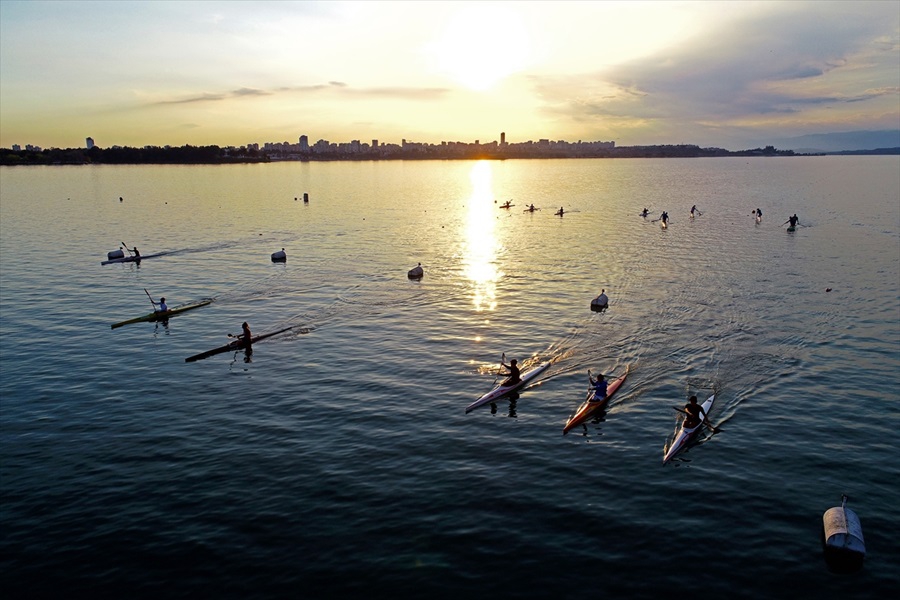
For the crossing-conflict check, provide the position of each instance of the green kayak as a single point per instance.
(163, 315)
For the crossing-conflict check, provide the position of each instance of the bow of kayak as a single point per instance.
(502, 390)
(683, 435)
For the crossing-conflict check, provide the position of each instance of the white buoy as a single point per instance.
(842, 539)
(115, 254)
(601, 302)
(416, 272)
(279, 256)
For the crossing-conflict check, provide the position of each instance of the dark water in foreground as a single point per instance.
(339, 461)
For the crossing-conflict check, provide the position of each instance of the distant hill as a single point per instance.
(837, 142)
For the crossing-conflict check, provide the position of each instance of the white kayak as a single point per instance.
(683, 435)
(502, 390)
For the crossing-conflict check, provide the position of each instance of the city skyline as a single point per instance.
(728, 75)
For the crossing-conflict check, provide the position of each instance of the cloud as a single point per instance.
(778, 62)
(402, 93)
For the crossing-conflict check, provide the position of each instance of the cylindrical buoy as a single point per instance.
(279, 256)
(842, 539)
(115, 254)
(305, 197)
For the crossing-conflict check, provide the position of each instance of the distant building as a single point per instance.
(89, 142)
(304, 143)
(502, 138)
(16, 148)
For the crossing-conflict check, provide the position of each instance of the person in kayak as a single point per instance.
(531, 208)
(645, 212)
(161, 304)
(137, 255)
(246, 337)
(694, 210)
(758, 214)
(599, 386)
(694, 413)
(513, 377)
(794, 221)
(560, 212)
(664, 217)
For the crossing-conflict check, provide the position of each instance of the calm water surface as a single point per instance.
(337, 459)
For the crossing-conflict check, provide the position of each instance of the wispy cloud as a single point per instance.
(337, 87)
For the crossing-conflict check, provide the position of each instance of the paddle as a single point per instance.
(705, 420)
(151, 298)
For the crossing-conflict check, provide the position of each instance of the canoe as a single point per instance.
(502, 390)
(162, 315)
(684, 435)
(235, 345)
(591, 405)
(125, 259)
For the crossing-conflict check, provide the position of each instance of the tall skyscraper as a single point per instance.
(502, 138)
(89, 142)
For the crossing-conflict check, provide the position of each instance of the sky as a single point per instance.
(725, 74)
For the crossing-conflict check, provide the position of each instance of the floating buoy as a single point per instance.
(115, 254)
(827, 289)
(279, 256)
(305, 198)
(416, 272)
(601, 302)
(842, 539)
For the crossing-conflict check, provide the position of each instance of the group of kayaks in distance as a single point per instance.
(664, 219)
(597, 399)
(531, 208)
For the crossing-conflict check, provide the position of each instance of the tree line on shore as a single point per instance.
(217, 155)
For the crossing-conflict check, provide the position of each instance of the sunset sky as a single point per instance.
(728, 74)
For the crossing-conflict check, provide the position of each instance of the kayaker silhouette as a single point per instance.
(694, 413)
(513, 377)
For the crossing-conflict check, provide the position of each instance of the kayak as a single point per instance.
(507, 205)
(125, 259)
(235, 345)
(591, 405)
(663, 224)
(791, 229)
(684, 435)
(758, 219)
(502, 390)
(162, 315)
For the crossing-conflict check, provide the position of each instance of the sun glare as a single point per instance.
(481, 243)
(482, 45)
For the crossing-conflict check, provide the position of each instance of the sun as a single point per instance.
(482, 45)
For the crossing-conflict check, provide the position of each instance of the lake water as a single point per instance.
(337, 459)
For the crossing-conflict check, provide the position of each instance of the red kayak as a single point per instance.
(591, 405)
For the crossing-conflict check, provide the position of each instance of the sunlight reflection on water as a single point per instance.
(481, 242)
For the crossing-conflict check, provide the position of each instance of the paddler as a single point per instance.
(664, 217)
(599, 386)
(513, 369)
(645, 212)
(794, 221)
(137, 255)
(161, 304)
(694, 413)
(246, 337)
